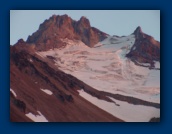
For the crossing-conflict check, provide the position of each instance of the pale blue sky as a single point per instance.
(114, 22)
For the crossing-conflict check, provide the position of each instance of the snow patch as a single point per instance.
(30, 60)
(13, 92)
(47, 91)
(37, 118)
(153, 79)
(157, 64)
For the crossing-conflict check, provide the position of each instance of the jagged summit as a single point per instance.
(145, 49)
(103, 83)
(20, 41)
(59, 27)
(138, 30)
(57, 17)
(84, 21)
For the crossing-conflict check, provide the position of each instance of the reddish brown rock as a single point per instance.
(59, 27)
(30, 73)
(21, 45)
(145, 49)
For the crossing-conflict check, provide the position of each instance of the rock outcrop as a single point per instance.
(51, 31)
(145, 49)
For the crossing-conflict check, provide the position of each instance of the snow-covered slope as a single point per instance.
(106, 68)
(125, 111)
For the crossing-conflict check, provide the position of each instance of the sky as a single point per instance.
(113, 22)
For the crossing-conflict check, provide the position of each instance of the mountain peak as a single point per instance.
(58, 27)
(64, 17)
(59, 16)
(145, 49)
(84, 19)
(84, 22)
(20, 42)
(138, 30)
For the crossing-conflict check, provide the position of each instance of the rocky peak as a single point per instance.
(138, 30)
(20, 42)
(58, 17)
(58, 27)
(21, 45)
(53, 17)
(63, 19)
(145, 49)
(84, 22)
(138, 33)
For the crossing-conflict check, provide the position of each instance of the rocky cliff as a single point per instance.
(145, 49)
(51, 31)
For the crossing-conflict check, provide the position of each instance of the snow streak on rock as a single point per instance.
(13, 92)
(47, 91)
(37, 118)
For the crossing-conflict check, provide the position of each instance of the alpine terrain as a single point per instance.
(69, 71)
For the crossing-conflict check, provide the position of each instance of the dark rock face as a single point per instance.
(60, 27)
(18, 103)
(155, 120)
(21, 45)
(145, 49)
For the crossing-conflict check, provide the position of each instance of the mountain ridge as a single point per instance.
(70, 71)
(59, 27)
(145, 49)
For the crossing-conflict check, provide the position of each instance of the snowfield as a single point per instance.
(106, 68)
(37, 118)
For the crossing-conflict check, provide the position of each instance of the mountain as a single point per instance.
(145, 49)
(39, 88)
(68, 71)
(56, 28)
